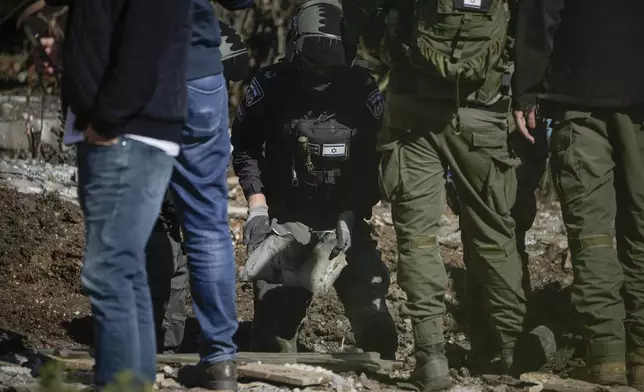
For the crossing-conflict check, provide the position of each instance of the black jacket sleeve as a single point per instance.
(248, 136)
(537, 22)
(234, 5)
(365, 191)
(133, 78)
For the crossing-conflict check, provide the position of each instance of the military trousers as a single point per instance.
(168, 281)
(533, 160)
(362, 289)
(419, 139)
(598, 173)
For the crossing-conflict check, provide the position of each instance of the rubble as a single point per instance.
(42, 301)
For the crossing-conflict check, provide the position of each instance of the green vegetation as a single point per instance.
(52, 378)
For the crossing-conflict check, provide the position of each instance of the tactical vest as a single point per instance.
(320, 150)
(463, 42)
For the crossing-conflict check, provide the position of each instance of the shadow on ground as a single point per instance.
(81, 330)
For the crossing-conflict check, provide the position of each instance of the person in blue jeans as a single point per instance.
(124, 85)
(123, 178)
(166, 264)
(201, 196)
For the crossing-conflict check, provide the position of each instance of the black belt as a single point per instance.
(500, 106)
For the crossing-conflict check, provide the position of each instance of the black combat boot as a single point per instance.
(278, 314)
(432, 370)
(220, 376)
(531, 351)
(379, 335)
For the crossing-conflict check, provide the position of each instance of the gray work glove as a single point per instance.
(344, 230)
(257, 227)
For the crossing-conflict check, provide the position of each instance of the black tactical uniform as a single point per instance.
(341, 122)
(168, 277)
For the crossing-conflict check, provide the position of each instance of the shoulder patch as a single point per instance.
(240, 113)
(376, 104)
(254, 93)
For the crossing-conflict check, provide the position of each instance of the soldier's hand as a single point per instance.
(526, 120)
(257, 226)
(344, 230)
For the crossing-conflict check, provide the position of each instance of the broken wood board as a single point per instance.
(281, 374)
(553, 383)
(342, 362)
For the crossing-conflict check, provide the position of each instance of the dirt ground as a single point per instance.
(41, 303)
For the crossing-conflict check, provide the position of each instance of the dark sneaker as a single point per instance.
(220, 376)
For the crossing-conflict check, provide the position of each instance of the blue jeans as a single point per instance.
(121, 187)
(201, 196)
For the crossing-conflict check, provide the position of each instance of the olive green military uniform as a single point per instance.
(598, 172)
(532, 166)
(422, 135)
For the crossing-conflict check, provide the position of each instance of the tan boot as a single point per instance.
(636, 368)
(636, 376)
(613, 373)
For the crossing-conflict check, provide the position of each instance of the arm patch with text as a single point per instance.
(376, 104)
(254, 93)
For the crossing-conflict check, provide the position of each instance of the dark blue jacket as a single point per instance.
(124, 66)
(204, 57)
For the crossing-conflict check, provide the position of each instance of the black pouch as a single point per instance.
(328, 141)
(482, 6)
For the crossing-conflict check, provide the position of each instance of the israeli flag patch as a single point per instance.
(334, 150)
(254, 93)
(376, 104)
(472, 3)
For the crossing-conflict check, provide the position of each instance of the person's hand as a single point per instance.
(94, 138)
(257, 226)
(344, 230)
(51, 48)
(525, 120)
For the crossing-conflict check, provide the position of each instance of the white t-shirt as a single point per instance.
(73, 136)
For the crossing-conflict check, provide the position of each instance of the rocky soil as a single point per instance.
(41, 304)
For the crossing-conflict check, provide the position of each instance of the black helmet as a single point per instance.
(234, 56)
(316, 35)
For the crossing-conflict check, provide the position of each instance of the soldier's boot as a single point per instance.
(431, 372)
(636, 368)
(379, 335)
(530, 352)
(605, 365)
(278, 314)
(602, 373)
(483, 355)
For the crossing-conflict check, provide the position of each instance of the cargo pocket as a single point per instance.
(389, 168)
(501, 183)
(565, 162)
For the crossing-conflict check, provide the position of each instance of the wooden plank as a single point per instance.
(72, 363)
(369, 362)
(281, 374)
